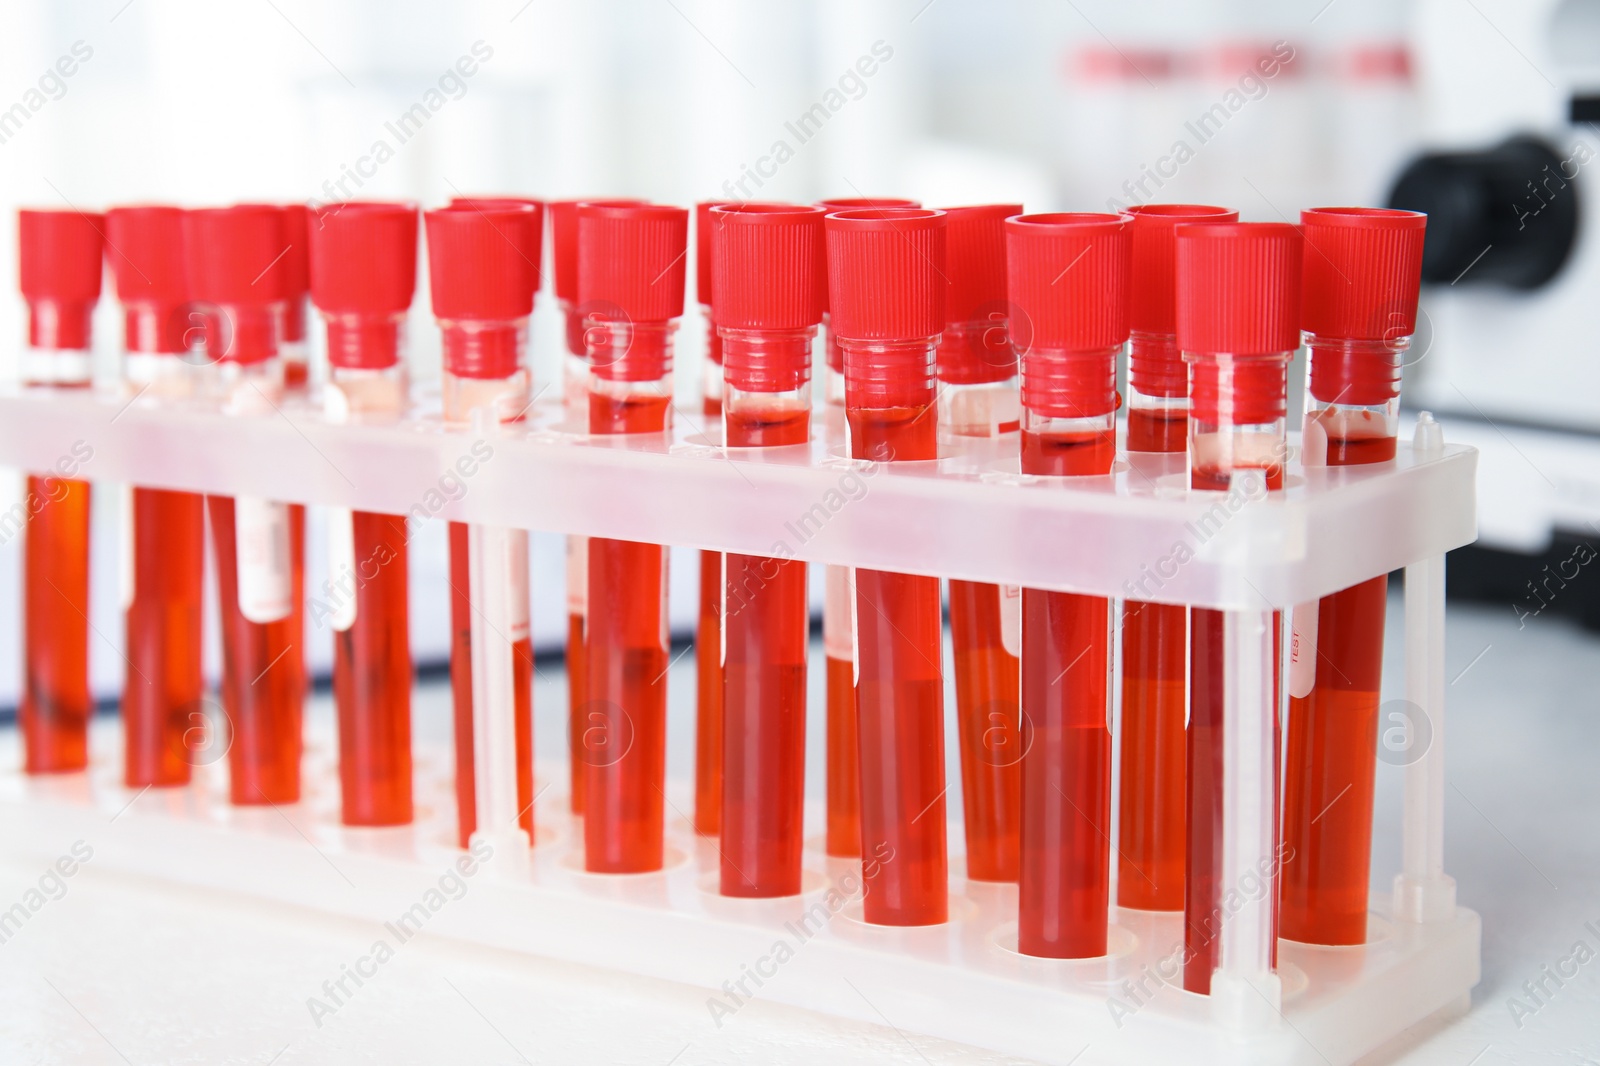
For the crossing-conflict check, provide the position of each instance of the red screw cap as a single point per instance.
(1238, 295)
(631, 273)
(975, 347)
(523, 202)
(482, 269)
(704, 249)
(233, 259)
(564, 240)
(1068, 277)
(144, 248)
(765, 258)
(1155, 366)
(852, 203)
(59, 273)
(1362, 268)
(363, 276)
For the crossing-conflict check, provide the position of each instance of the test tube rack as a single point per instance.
(967, 515)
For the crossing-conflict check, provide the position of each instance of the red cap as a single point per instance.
(1068, 277)
(975, 347)
(765, 280)
(1362, 269)
(363, 277)
(564, 238)
(144, 248)
(1238, 295)
(59, 274)
(1155, 366)
(524, 202)
(482, 272)
(233, 258)
(851, 203)
(704, 251)
(630, 261)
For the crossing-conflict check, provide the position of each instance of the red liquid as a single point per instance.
(627, 414)
(577, 674)
(989, 725)
(1155, 648)
(708, 699)
(296, 372)
(372, 679)
(1203, 889)
(900, 706)
(55, 708)
(162, 696)
(1065, 886)
(1332, 759)
(263, 671)
(461, 697)
(844, 762)
(1158, 430)
(765, 726)
(624, 738)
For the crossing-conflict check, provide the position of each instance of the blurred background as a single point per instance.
(1479, 111)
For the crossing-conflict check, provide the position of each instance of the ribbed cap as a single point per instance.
(886, 276)
(296, 262)
(1238, 288)
(59, 274)
(1152, 303)
(1362, 269)
(144, 248)
(524, 202)
(704, 250)
(1067, 277)
(852, 203)
(630, 261)
(482, 262)
(975, 260)
(766, 262)
(233, 257)
(564, 241)
(363, 276)
(59, 255)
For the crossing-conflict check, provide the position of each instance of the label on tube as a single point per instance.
(517, 578)
(1303, 620)
(342, 566)
(1011, 619)
(838, 615)
(578, 576)
(261, 541)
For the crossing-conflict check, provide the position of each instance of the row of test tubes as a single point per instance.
(934, 325)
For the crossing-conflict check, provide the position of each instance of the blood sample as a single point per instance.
(978, 398)
(575, 395)
(886, 290)
(1155, 636)
(708, 629)
(483, 271)
(296, 287)
(363, 262)
(1238, 312)
(838, 632)
(163, 718)
(1068, 280)
(767, 313)
(59, 275)
(1362, 271)
(630, 280)
(233, 257)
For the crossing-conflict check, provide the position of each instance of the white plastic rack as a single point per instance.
(968, 515)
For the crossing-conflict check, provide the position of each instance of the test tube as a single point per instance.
(1362, 268)
(708, 628)
(296, 288)
(768, 308)
(575, 396)
(978, 398)
(1155, 636)
(1068, 277)
(630, 282)
(843, 839)
(363, 265)
(59, 275)
(886, 292)
(1238, 318)
(483, 271)
(233, 259)
(164, 548)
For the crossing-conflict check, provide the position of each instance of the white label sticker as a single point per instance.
(261, 541)
(1303, 649)
(838, 614)
(855, 628)
(128, 572)
(578, 576)
(342, 566)
(1011, 619)
(517, 577)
